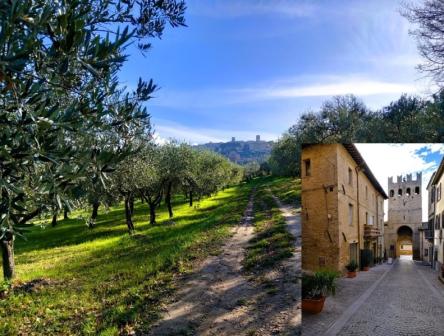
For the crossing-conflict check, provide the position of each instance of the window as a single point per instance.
(350, 176)
(438, 192)
(366, 218)
(407, 192)
(392, 193)
(417, 190)
(373, 219)
(366, 192)
(399, 192)
(307, 167)
(442, 221)
(426, 252)
(432, 195)
(350, 214)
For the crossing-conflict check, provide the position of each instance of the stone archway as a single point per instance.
(404, 243)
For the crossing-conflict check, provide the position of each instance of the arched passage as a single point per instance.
(404, 246)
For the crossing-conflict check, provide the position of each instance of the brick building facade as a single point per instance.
(342, 207)
(436, 215)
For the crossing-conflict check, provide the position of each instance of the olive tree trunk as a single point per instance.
(7, 247)
(95, 210)
(153, 212)
(54, 220)
(131, 204)
(128, 215)
(168, 200)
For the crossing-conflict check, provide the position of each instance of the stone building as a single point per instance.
(436, 204)
(426, 244)
(342, 207)
(427, 232)
(401, 233)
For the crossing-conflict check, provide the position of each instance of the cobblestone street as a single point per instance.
(401, 299)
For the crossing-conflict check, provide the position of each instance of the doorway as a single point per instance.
(404, 246)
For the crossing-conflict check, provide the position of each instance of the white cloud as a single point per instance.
(359, 87)
(306, 86)
(242, 8)
(387, 160)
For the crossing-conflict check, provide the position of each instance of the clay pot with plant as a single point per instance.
(351, 267)
(315, 288)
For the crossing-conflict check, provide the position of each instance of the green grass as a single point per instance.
(287, 189)
(104, 282)
(273, 242)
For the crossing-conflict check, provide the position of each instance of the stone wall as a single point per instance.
(439, 210)
(326, 196)
(319, 208)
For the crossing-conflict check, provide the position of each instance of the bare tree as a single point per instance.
(428, 18)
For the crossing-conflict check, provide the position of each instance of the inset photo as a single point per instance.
(372, 238)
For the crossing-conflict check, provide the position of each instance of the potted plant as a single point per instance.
(315, 288)
(351, 267)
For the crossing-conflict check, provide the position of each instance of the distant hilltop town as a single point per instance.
(242, 152)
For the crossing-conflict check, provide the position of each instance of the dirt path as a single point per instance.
(280, 313)
(218, 299)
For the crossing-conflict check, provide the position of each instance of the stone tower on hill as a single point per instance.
(401, 232)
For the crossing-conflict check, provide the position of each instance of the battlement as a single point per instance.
(407, 179)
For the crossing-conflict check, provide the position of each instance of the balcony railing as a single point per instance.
(371, 231)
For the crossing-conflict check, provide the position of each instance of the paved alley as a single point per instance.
(400, 299)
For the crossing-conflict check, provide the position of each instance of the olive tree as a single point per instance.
(59, 62)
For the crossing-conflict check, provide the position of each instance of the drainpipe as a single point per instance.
(357, 170)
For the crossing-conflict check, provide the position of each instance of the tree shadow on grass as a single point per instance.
(108, 224)
(126, 277)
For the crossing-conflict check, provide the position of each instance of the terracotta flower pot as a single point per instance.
(351, 274)
(366, 268)
(313, 306)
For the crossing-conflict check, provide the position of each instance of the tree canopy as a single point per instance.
(345, 119)
(63, 115)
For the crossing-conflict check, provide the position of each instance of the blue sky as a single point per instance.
(246, 67)
(387, 160)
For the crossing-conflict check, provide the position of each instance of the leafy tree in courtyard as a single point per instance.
(58, 80)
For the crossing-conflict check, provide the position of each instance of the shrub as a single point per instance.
(352, 266)
(320, 284)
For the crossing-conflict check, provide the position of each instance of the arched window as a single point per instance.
(392, 193)
(407, 192)
(417, 190)
(399, 192)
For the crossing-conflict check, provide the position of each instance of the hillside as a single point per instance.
(242, 152)
(72, 280)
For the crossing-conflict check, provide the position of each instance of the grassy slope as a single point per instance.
(287, 189)
(105, 282)
(273, 242)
